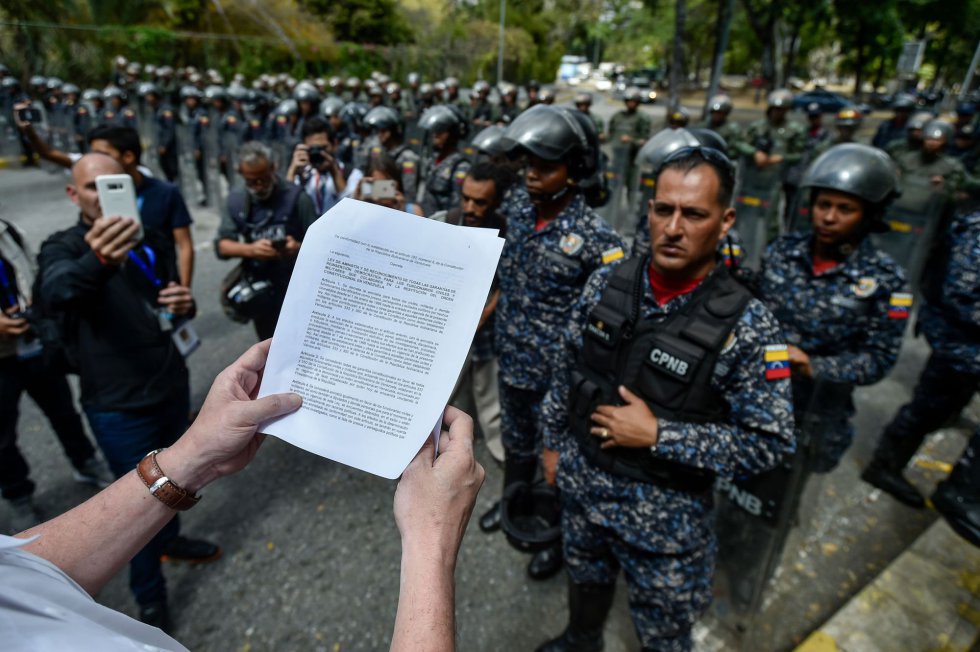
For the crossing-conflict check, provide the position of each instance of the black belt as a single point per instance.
(638, 464)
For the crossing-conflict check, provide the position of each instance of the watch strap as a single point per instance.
(161, 487)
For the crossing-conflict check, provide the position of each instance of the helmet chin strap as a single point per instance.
(548, 198)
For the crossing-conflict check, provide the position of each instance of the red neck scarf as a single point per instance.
(665, 289)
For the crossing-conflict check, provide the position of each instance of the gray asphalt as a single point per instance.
(311, 552)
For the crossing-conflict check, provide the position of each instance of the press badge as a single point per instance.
(185, 339)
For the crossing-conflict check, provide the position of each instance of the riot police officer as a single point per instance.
(641, 417)
(943, 172)
(165, 134)
(308, 102)
(385, 125)
(949, 320)
(480, 112)
(197, 122)
(583, 102)
(630, 126)
(719, 109)
(893, 130)
(846, 122)
(913, 134)
(842, 303)
(508, 109)
(116, 112)
(554, 242)
(447, 168)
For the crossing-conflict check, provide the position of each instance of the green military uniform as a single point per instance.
(600, 126)
(636, 125)
(787, 139)
(915, 164)
(729, 130)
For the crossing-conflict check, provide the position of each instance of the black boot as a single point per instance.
(892, 482)
(545, 563)
(960, 506)
(519, 470)
(588, 606)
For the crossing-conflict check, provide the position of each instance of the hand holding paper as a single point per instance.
(375, 327)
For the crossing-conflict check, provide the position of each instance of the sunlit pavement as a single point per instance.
(312, 552)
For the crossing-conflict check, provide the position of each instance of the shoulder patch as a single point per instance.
(612, 254)
(571, 244)
(167, 114)
(777, 362)
(865, 287)
(408, 167)
(729, 343)
(899, 305)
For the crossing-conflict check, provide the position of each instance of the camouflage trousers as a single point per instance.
(667, 592)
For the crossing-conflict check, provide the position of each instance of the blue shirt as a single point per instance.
(161, 206)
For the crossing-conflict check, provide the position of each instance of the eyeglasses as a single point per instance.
(715, 158)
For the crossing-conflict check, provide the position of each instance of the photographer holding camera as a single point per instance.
(315, 169)
(264, 225)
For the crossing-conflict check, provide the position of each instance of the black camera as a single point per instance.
(29, 114)
(318, 155)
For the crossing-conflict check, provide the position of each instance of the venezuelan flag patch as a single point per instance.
(777, 362)
(612, 255)
(899, 305)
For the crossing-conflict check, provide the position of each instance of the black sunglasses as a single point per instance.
(710, 155)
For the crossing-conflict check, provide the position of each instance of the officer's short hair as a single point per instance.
(691, 157)
(124, 139)
(317, 125)
(253, 152)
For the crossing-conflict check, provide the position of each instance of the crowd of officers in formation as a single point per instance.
(630, 376)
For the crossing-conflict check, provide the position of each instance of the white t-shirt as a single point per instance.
(323, 191)
(42, 610)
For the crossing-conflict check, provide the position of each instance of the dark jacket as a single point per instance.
(125, 360)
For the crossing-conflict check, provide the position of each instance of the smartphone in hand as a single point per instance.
(117, 197)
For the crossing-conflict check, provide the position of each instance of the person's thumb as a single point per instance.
(269, 407)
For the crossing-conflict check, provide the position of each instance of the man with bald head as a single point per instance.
(123, 310)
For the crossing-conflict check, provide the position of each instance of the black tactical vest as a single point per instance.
(667, 361)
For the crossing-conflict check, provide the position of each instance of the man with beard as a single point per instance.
(264, 225)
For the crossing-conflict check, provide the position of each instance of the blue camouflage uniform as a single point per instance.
(849, 320)
(661, 536)
(541, 275)
(166, 141)
(950, 321)
(124, 117)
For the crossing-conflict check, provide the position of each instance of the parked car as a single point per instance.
(829, 102)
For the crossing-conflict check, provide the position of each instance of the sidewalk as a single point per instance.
(927, 600)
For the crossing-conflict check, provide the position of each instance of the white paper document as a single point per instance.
(378, 318)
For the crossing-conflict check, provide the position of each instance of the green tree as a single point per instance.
(363, 21)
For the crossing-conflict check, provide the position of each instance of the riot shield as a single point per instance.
(756, 516)
(414, 136)
(190, 185)
(231, 137)
(615, 211)
(756, 208)
(914, 220)
(148, 138)
(210, 135)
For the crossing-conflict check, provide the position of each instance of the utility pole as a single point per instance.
(500, 45)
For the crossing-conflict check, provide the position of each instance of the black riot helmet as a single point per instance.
(444, 117)
(529, 516)
(709, 138)
(664, 143)
(331, 106)
(383, 117)
(553, 134)
(859, 170)
(594, 187)
(490, 141)
(353, 115)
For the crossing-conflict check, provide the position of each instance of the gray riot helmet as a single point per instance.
(148, 88)
(709, 138)
(633, 94)
(582, 98)
(190, 91)
(679, 117)
(664, 143)
(529, 516)
(12, 85)
(721, 103)
(215, 92)
(70, 89)
(919, 120)
(553, 134)
(383, 117)
(904, 102)
(414, 79)
(286, 108)
(306, 92)
(90, 94)
(237, 92)
(779, 99)
(353, 114)
(594, 187)
(54, 84)
(939, 130)
(481, 86)
(859, 170)
(113, 91)
(38, 81)
(331, 106)
(444, 117)
(490, 141)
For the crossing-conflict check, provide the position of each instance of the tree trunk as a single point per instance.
(723, 29)
(677, 58)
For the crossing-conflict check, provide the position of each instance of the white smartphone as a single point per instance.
(117, 197)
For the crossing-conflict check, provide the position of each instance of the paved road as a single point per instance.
(311, 551)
